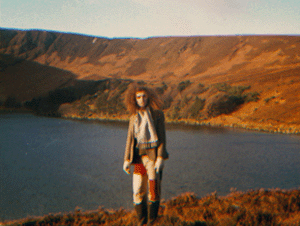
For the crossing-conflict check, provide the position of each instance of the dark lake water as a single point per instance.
(50, 165)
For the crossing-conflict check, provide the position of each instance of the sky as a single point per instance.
(154, 18)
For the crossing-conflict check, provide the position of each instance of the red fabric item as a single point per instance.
(153, 190)
(139, 169)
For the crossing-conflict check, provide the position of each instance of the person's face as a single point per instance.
(141, 99)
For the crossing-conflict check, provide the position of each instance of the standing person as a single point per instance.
(145, 150)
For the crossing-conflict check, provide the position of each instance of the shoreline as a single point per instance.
(222, 121)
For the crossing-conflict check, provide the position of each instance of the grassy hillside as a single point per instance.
(239, 81)
(262, 207)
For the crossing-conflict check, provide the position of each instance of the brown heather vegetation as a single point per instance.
(261, 207)
(249, 82)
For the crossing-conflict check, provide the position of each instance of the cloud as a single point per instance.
(189, 15)
(218, 6)
(149, 2)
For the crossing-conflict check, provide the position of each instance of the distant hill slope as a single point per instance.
(243, 81)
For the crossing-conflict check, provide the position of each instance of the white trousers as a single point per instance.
(146, 180)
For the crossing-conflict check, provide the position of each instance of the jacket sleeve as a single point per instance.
(129, 142)
(161, 132)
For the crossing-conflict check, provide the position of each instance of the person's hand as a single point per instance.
(126, 166)
(159, 164)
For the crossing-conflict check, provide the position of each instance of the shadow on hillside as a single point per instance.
(49, 104)
(40, 88)
(26, 80)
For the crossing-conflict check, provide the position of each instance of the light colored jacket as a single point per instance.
(160, 150)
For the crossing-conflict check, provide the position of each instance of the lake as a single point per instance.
(52, 165)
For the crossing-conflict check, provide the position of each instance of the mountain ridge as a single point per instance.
(213, 71)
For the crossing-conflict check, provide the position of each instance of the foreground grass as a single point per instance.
(261, 207)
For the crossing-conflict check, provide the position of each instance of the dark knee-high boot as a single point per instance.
(141, 211)
(152, 212)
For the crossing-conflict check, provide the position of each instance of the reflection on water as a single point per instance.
(52, 165)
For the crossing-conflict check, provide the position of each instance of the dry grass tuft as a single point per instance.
(260, 207)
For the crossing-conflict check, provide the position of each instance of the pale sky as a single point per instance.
(148, 18)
